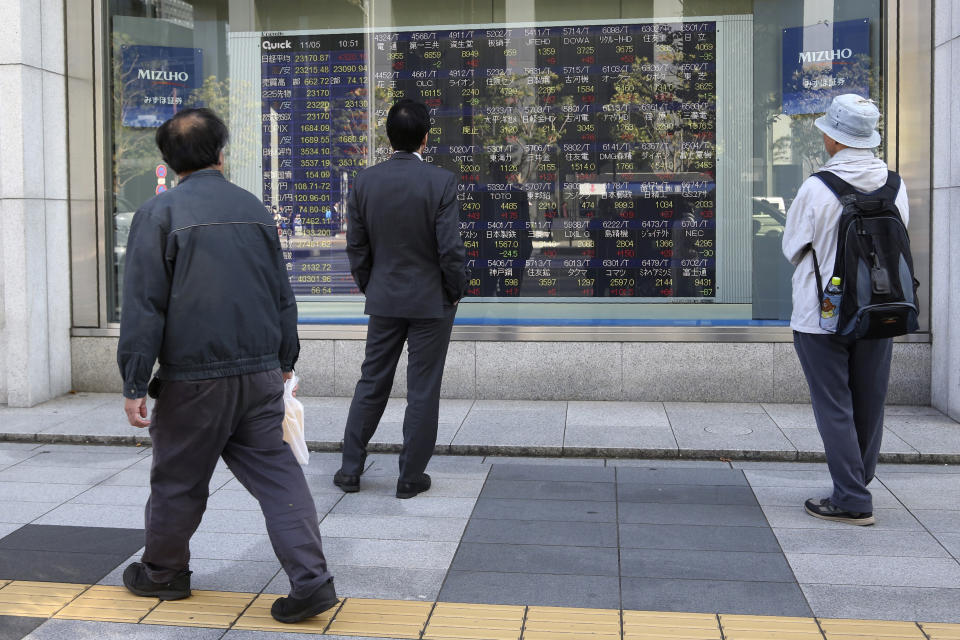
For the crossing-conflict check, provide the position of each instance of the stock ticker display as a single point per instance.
(585, 154)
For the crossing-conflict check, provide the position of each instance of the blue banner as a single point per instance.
(823, 61)
(157, 82)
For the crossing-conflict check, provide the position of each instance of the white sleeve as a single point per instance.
(903, 204)
(798, 231)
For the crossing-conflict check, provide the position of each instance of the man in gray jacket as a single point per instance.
(847, 377)
(205, 291)
(407, 256)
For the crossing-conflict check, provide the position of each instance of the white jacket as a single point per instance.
(813, 218)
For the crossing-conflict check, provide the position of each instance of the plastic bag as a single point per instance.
(293, 432)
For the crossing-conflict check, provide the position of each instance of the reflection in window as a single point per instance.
(612, 169)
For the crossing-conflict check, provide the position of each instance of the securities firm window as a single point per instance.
(632, 166)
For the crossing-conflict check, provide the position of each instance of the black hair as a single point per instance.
(192, 139)
(407, 123)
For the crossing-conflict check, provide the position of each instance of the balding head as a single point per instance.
(192, 140)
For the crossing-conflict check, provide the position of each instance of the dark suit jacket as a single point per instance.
(403, 238)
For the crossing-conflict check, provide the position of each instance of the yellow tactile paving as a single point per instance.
(872, 629)
(216, 609)
(108, 604)
(257, 618)
(667, 625)
(571, 624)
(384, 618)
(452, 621)
(40, 599)
(441, 621)
(740, 627)
(941, 631)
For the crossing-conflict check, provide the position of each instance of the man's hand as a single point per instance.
(136, 410)
(286, 376)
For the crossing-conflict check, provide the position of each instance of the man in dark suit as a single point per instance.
(406, 255)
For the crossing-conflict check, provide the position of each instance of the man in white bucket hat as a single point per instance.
(847, 377)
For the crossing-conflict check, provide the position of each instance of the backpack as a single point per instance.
(879, 298)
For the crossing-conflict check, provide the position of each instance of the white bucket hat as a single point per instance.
(852, 121)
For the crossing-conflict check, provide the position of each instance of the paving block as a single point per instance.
(698, 537)
(40, 599)
(579, 634)
(458, 621)
(549, 489)
(845, 629)
(489, 587)
(839, 569)
(546, 473)
(769, 628)
(526, 558)
(376, 582)
(773, 634)
(941, 631)
(108, 604)
(542, 532)
(560, 622)
(257, 618)
(704, 565)
(551, 510)
(17, 627)
(218, 609)
(883, 603)
(388, 618)
(651, 625)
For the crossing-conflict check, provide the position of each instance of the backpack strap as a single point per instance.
(841, 188)
(816, 270)
(889, 191)
(837, 185)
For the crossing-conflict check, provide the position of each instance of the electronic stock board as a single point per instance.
(585, 155)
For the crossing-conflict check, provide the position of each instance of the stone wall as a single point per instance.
(645, 371)
(945, 226)
(34, 231)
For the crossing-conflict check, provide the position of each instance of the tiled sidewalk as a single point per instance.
(683, 536)
(545, 428)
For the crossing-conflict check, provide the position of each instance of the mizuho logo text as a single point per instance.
(276, 45)
(161, 75)
(825, 56)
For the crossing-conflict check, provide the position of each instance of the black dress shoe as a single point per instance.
(409, 489)
(137, 582)
(349, 484)
(826, 510)
(292, 609)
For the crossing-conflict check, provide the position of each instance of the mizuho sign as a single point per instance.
(824, 60)
(159, 74)
(829, 55)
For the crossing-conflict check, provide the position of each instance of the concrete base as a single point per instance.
(642, 371)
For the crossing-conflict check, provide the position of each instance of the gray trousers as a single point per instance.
(427, 341)
(240, 418)
(848, 386)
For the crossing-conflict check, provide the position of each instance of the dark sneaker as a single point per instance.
(292, 609)
(826, 510)
(409, 489)
(136, 581)
(349, 484)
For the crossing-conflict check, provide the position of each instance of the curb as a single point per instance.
(528, 451)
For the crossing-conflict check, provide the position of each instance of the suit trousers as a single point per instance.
(848, 387)
(239, 418)
(427, 342)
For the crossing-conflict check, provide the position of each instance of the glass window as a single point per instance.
(620, 163)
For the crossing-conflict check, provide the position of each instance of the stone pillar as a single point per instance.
(34, 231)
(945, 236)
